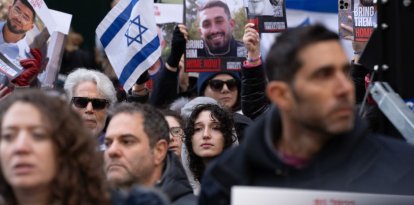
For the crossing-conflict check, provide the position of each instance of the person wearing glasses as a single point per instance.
(91, 93)
(14, 48)
(175, 124)
(222, 86)
(20, 19)
(137, 152)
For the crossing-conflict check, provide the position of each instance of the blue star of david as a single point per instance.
(141, 30)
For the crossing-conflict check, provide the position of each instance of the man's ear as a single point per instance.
(279, 93)
(232, 23)
(160, 151)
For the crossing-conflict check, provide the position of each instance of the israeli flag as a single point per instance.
(128, 34)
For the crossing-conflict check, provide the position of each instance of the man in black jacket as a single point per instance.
(137, 153)
(312, 140)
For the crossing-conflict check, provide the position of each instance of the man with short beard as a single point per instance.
(14, 47)
(311, 137)
(20, 19)
(216, 29)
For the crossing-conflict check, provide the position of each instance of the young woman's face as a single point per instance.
(27, 156)
(208, 140)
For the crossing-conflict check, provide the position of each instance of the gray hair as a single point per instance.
(103, 83)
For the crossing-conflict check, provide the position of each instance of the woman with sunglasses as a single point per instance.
(209, 131)
(47, 156)
(222, 86)
(91, 93)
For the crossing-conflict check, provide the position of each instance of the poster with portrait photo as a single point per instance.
(269, 16)
(43, 37)
(216, 29)
(364, 19)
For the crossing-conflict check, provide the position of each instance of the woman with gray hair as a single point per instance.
(91, 93)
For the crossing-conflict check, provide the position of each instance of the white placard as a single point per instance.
(63, 21)
(243, 195)
(168, 13)
(55, 48)
(44, 14)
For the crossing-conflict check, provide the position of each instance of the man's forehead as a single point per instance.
(323, 52)
(123, 124)
(213, 12)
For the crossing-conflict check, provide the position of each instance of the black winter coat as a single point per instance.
(356, 162)
(174, 182)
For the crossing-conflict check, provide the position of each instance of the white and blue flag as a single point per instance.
(128, 34)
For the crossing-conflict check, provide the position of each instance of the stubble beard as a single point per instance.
(318, 126)
(13, 29)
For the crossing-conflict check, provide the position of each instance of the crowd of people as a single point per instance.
(287, 121)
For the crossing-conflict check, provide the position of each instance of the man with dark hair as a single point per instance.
(216, 29)
(20, 19)
(13, 43)
(312, 140)
(137, 153)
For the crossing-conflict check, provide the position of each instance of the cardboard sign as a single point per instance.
(168, 13)
(364, 19)
(268, 16)
(215, 38)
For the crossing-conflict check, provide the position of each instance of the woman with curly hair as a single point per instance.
(209, 131)
(46, 154)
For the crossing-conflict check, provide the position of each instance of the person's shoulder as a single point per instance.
(188, 199)
(393, 143)
(393, 148)
(229, 166)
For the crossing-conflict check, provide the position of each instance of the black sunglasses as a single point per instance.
(97, 104)
(217, 85)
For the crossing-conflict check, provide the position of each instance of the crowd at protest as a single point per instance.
(287, 121)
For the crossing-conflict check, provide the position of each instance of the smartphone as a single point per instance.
(345, 18)
(3, 79)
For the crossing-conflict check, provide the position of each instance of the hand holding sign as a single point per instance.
(31, 67)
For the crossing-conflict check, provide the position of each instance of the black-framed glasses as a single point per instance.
(217, 85)
(97, 103)
(177, 131)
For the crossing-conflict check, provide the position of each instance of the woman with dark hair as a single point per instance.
(209, 131)
(47, 156)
